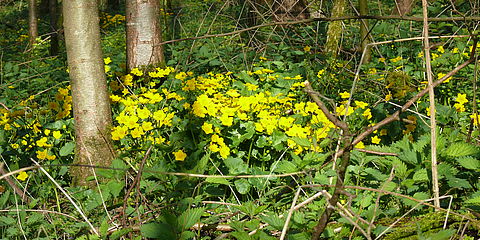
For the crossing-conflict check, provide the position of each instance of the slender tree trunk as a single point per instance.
(363, 9)
(403, 7)
(285, 10)
(53, 12)
(91, 105)
(144, 33)
(334, 32)
(32, 21)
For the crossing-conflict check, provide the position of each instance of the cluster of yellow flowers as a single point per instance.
(62, 104)
(108, 20)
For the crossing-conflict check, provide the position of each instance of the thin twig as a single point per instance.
(79, 210)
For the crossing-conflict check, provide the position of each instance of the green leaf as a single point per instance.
(469, 162)
(420, 175)
(409, 156)
(302, 141)
(273, 220)
(157, 230)
(461, 149)
(376, 174)
(285, 166)
(242, 186)
(236, 165)
(119, 233)
(455, 182)
(188, 218)
(217, 180)
(67, 149)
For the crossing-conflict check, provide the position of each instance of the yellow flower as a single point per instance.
(475, 118)
(207, 128)
(361, 104)
(47, 132)
(441, 75)
(57, 134)
(345, 95)
(143, 113)
(461, 98)
(180, 155)
(320, 73)
(440, 49)
(136, 72)
(22, 176)
(42, 142)
(394, 60)
(147, 126)
(367, 113)
(14, 145)
(42, 154)
(307, 48)
(127, 80)
(360, 145)
(376, 140)
(107, 60)
(388, 97)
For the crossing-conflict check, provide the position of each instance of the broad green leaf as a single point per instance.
(376, 174)
(455, 182)
(420, 175)
(236, 165)
(217, 180)
(188, 218)
(273, 220)
(242, 186)
(469, 162)
(285, 167)
(460, 149)
(409, 156)
(67, 149)
(302, 142)
(157, 231)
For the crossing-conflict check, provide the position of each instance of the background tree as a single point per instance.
(403, 7)
(363, 10)
(53, 17)
(144, 33)
(91, 105)
(32, 21)
(284, 10)
(334, 32)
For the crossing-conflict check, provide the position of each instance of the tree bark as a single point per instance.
(91, 105)
(32, 22)
(403, 7)
(53, 14)
(334, 32)
(288, 10)
(144, 34)
(365, 40)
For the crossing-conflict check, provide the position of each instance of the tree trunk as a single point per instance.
(143, 34)
(334, 32)
(32, 22)
(364, 41)
(403, 7)
(290, 10)
(91, 105)
(53, 13)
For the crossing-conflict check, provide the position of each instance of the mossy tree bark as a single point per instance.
(365, 40)
(144, 34)
(32, 22)
(334, 32)
(91, 105)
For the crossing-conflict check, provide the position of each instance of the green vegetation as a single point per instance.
(221, 139)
